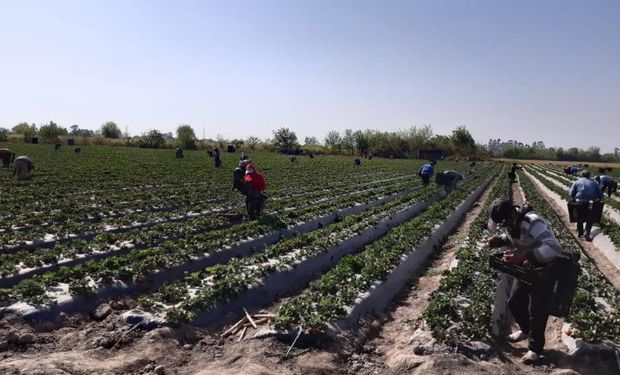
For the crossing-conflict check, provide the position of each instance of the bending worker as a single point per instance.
(535, 244)
(583, 191)
(607, 183)
(7, 157)
(426, 171)
(451, 178)
(512, 175)
(23, 166)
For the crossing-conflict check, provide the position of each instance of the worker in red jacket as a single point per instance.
(256, 196)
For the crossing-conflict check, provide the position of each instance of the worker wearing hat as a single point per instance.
(583, 191)
(534, 244)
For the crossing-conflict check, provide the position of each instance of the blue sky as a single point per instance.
(527, 70)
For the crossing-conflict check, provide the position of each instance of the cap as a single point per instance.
(499, 211)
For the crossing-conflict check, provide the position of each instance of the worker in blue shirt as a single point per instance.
(607, 182)
(583, 191)
(425, 172)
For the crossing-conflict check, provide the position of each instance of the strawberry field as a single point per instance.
(336, 247)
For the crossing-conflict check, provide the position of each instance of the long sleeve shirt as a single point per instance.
(426, 169)
(453, 175)
(585, 189)
(536, 240)
(606, 180)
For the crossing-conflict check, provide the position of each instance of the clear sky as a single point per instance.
(526, 70)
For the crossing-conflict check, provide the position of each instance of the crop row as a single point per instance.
(460, 309)
(329, 298)
(70, 229)
(202, 291)
(198, 233)
(111, 208)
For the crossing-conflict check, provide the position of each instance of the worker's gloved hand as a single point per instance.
(496, 241)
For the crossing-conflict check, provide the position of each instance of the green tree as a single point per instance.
(186, 137)
(348, 141)
(22, 128)
(27, 131)
(152, 139)
(311, 141)
(362, 141)
(285, 140)
(110, 130)
(52, 132)
(252, 141)
(333, 140)
(4, 134)
(462, 139)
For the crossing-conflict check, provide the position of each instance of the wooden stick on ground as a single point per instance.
(293, 344)
(247, 315)
(233, 329)
(257, 316)
(242, 334)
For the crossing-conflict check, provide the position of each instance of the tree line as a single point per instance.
(397, 144)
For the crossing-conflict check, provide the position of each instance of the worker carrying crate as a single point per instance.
(585, 205)
(545, 274)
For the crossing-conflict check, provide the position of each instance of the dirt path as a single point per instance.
(398, 345)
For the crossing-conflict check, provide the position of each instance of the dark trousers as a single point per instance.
(218, 162)
(587, 219)
(426, 179)
(254, 202)
(611, 188)
(528, 305)
(450, 186)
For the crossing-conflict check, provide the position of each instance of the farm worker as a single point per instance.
(179, 153)
(567, 169)
(583, 191)
(607, 182)
(256, 194)
(451, 178)
(216, 156)
(425, 172)
(238, 175)
(534, 244)
(7, 157)
(574, 170)
(512, 175)
(23, 166)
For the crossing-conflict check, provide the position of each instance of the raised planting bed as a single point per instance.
(366, 282)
